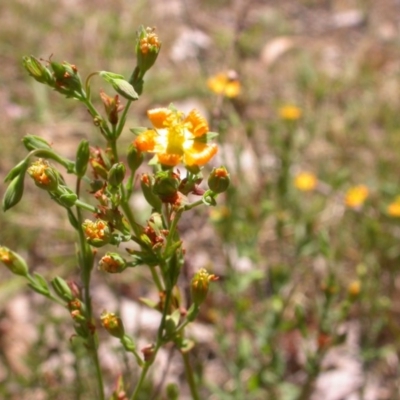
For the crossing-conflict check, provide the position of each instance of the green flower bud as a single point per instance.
(219, 180)
(37, 70)
(134, 158)
(113, 324)
(62, 289)
(82, 158)
(13, 261)
(166, 185)
(19, 169)
(32, 142)
(97, 233)
(116, 174)
(67, 79)
(120, 85)
(147, 189)
(147, 48)
(200, 285)
(67, 199)
(112, 263)
(14, 192)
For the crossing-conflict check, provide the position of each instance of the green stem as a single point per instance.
(122, 120)
(141, 381)
(85, 206)
(190, 376)
(85, 259)
(156, 279)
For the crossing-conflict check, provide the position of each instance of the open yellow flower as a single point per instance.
(393, 209)
(226, 83)
(356, 196)
(305, 181)
(177, 138)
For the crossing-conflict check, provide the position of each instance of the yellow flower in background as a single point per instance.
(177, 138)
(290, 113)
(356, 196)
(225, 83)
(305, 181)
(393, 209)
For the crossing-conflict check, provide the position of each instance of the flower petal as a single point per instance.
(157, 116)
(169, 159)
(146, 141)
(200, 153)
(199, 125)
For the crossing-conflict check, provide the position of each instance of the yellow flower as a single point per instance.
(393, 209)
(356, 196)
(305, 181)
(226, 83)
(290, 113)
(177, 138)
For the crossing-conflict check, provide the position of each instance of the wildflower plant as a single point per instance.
(106, 218)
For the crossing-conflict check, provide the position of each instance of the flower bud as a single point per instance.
(200, 284)
(67, 79)
(62, 289)
(120, 85)
(116, 174)
(113, 324)
(112, 263)
(66, 197)
(82, 158)
(14, 192)
(147, 189)
(166, 185)
(147, 48)
(37, 70)
(148, 352)
(32, 142)
(134, 158)
(112, 106)
(44, 176)
(97, 233)
(219, 180)
(13, 261)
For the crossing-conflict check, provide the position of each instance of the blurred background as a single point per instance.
(305, 97)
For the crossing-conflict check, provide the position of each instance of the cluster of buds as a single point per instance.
(62, 77)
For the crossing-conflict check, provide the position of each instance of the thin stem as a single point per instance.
(156, 279)
(122, 120)
(190, 376)
(85, 259)
(141, 381)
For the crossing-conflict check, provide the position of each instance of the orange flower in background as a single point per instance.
(225, 83)
(356, 196)
(305, 181)
(177, 138)
(393, 209)
(290, 113)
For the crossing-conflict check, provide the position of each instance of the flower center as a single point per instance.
(176, 133)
